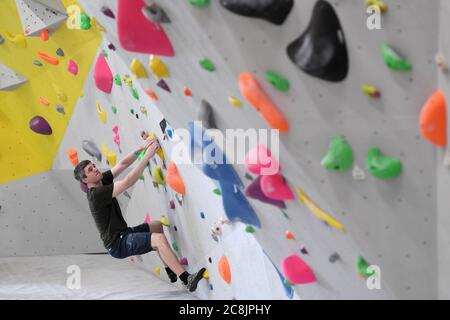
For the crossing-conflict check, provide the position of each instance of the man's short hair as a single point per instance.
(78, 172)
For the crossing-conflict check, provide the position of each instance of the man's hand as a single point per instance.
(152, 148)
(147, 143)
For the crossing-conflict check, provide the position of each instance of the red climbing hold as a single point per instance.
(187, 92)
(297, 271)
(151, 94)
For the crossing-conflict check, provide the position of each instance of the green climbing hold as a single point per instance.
(118, 80)
(142, 178)
(174, 246)
(287, 282)
(141, 155)
(114, 109)
(339, 156)
(250, 229)
(134, 93)
(199, 3)
(277, 81)
(157, 175)
(393, 60)
(382, 166)
(217, 191)
(132, 111)
(104, 53)
(361, 267)
(207, 65)
(85, 21)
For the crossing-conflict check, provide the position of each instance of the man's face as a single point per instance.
(93, 175)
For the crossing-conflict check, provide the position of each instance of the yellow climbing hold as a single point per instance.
(138, 69)
(17, 39)
(158, 68)
(111, 157)
(160, 151)
(317, 211)
(380, 4)
(164, 221)
(234, 101)
(101, 112)
(127, 80)
(81, 93)
(158, 270)
(61, 95)
(206, 275)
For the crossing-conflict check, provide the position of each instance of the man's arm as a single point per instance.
(131, 178)
(129, 159)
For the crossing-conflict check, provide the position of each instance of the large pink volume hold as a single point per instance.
(102, 75)
(297, 271)
(137, 33)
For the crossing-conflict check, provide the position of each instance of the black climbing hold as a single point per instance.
(107, 12)
(155, 14)
(274, 11)
(210, 260)
(163, 85)
(60, 52)
(206, 115)
(37, 63)
(321, 50)
(2, 40)
(111, 47)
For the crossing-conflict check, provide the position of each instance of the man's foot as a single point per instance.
(193, 279)
(172, 276)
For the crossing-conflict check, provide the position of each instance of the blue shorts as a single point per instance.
(131, 242)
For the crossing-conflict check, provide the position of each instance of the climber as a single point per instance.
(120, 240)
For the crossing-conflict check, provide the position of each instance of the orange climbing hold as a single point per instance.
(73, 156)
(52, 60)
(290, 235)
(174, 179)
(187, 92)
(432, 120)
(44, 101)
(151, 94)
(224, 269)
(254, 94)
(44, 35)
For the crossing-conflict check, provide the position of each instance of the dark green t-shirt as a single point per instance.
(106, 210)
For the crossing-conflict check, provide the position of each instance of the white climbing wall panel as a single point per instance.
(9, 79)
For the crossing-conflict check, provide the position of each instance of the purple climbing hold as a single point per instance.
(40, 125)
(163, 85)
(171, 204)
(254, 191)
(107, 12)
(111, 47)
(184, 261)
(303, 250)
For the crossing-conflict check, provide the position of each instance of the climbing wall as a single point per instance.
(391, 223)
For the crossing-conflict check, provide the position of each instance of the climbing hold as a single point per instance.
(139, 258)
(393, 60)
(334, 257)
(289, 235)
(358, 173)
(234, 101)
(187, 92)
(147, 218)
(303, 250)
(107, 12)
(101, 112)
(224, 269)
(164, 221)
(138, 34)
(370, 91)
(44, 35)
(381, 166)
(249, 229)
(296, 270)
(59, 92)
(199, 3)
(44, 56)
(132, 259)
(206, 276)
(441, 62)
(60, 52)
(380, 4)
(339, 156)
(157, 175)
(286, 282)
(214, 237)
(163, 85)
(144, 110)
(111, 158)
(157, 67)
(111, 47)
(207, 65)
(2, 40)
(172, 204)
(248, 176)
(72, 66)
(134, 93)
(73, 156)
(44, 101)
(102, 75)
(158, 270)
(118, 80)
(84, 21)
(277, 81)
(206, 115)
(259, 161)
(274, 11)
(37, 63)
(254, 191)
(433, 119)
(91, 149)
(39, 125)
(60, 109)
(155, 14)
(114, 109)
(17, 39)
(151, 94)
(275, 187)
(138, 69)
(321, 50)
(159, 152)
(251, 90)
(174, 246)
(184, 261)
(174, 179)
(317, 211)
(127, 80)
(202, 215)
(361, 267)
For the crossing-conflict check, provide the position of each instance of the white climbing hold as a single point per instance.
(358, 174)
(441, 62)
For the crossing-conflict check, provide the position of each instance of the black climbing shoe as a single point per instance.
(193, 279)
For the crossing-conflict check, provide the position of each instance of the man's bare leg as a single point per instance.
(159, 242)
(156, 227)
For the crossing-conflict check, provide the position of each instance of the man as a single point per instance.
(120, 240)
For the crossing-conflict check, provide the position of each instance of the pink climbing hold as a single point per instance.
(260, 161)
(147, 218)
(117, 139)
(40, 125)
(184, 261)
(137, 33)
(115, 129)
(297, 271)
(72, 66)
(102, 75)
(275, 187)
